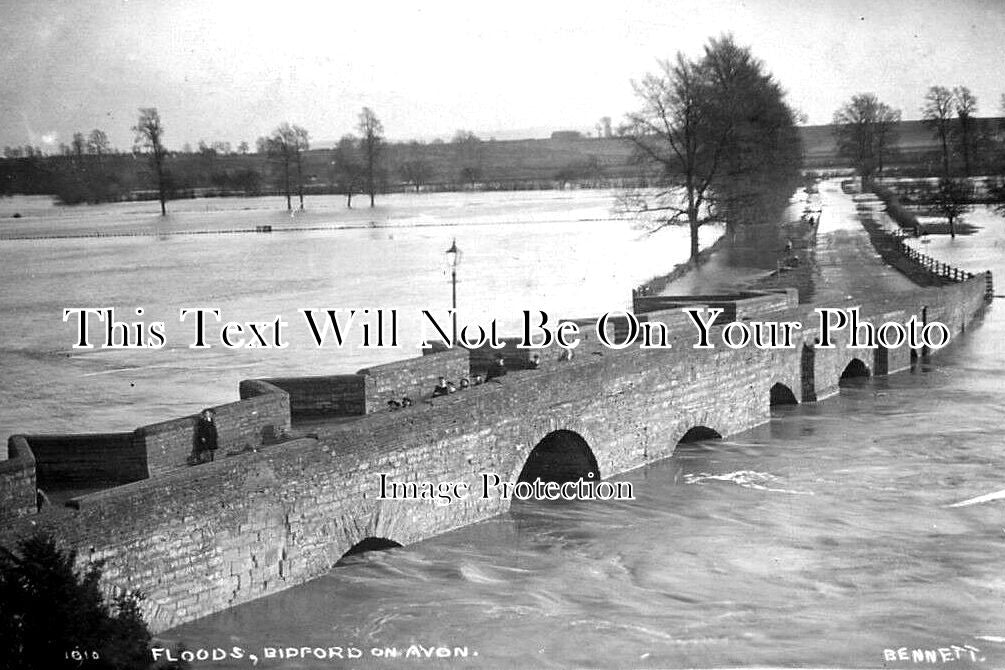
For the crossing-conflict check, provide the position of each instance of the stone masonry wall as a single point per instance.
(333, 395)
(17, 480)
(249, 423)
(168, 444)
(245, 423)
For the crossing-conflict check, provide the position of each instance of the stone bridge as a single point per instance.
(297, 481)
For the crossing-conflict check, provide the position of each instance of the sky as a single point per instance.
(231, 71)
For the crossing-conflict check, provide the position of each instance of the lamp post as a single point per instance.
(454, 258)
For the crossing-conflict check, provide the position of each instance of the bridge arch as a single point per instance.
(854, 369)
(561, 456)
(780, 394)
(367, 545)
(686, 445)
(698, 434)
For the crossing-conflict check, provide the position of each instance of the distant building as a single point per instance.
(567, 135)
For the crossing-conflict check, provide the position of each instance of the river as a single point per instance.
(825, 538)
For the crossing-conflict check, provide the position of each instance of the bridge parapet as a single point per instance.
(741, 305)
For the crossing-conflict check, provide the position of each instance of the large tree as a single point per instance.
(150, 137)
(864, 128)
(762, 152)
(937, 114)
(371, 141)
(714, 130)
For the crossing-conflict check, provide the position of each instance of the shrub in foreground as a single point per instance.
(53, 615)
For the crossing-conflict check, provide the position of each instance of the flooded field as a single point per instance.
(566, 253)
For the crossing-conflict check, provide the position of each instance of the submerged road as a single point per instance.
(841, 264)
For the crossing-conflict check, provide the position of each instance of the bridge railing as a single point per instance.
(897, 243)
(932, 265)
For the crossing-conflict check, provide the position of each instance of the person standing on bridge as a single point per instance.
(206, 437)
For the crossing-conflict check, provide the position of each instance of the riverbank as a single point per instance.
(770, 255)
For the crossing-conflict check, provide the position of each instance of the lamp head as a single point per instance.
(453, 254)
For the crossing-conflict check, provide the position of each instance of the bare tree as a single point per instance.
(937, 114)
(78, 145)
(715, 130)
(149, 136)
(284, 148)
(966, 109)
(887, 133)
(97, 143)
(347, 171)
(468, 154)
(371, 145)
(864, 128)
(415, 169)
(952, 201)
(671, 130)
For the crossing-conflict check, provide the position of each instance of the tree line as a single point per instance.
(866, 130)
(90, 171)
(713, 136)
(354, 168)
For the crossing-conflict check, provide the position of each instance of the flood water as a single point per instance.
(565, 253)
(825, 538)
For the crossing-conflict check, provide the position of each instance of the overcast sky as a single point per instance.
(221, 70)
